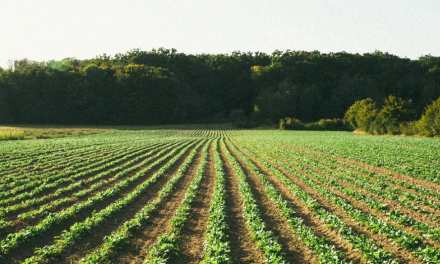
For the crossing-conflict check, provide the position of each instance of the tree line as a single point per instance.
(163, 86)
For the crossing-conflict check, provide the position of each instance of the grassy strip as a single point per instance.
(11, 134)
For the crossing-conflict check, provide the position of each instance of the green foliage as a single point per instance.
(391, 118)
(366, 192)
(410, 128)
(164, 86)
(291, 123)
(429, 123)
(394, 111)
(333, 124)
(11, 134)
(361, 114)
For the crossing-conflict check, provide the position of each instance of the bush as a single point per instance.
(335, 124)
(409, 128)
(394, 112)
(429, 123)
(361, 114)
(291, 123)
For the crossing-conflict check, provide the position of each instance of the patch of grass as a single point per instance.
(43, 132)
(11, 134)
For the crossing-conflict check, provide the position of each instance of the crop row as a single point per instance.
(263, 237)
(166, 249)
(69, 177)
(32, 183)
(402, 238)
(342, 179)
(80, 230)
(368, 248)
(15, 240)
(382, 184)
(22, 173)
(94, 183)
(120, 238)
(217, 248)
(326, 252)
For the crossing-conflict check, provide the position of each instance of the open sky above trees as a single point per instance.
(51, 29)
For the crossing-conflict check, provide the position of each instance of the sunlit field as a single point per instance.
(220, 196)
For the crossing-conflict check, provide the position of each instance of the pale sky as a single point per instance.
(55, 29)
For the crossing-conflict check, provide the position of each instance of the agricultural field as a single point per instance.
(220, 196)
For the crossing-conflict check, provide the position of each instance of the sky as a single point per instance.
(55, 29)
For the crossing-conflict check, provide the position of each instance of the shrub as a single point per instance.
(429, 123)
(394, 112)
(361, 114)
(331, 124)
(409, 128)
(291, 123)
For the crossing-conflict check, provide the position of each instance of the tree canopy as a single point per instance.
(165, 86)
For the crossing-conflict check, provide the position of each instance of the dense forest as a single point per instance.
(164, 86)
